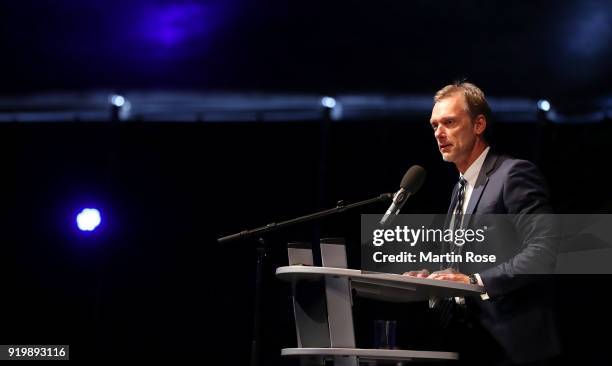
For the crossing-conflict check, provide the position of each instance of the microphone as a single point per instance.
(411, 183)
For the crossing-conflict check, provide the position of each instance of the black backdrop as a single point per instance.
(153, 282)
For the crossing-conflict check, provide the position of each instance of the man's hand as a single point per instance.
(450, 274)
(421, 274)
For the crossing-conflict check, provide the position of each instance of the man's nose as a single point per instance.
(439, 133)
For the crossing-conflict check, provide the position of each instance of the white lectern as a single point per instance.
(322, 303)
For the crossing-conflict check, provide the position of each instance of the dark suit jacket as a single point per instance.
(519, 313)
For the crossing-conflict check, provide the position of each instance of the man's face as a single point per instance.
(453, 129)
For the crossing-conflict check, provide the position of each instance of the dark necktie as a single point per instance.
(457, 220)
(448, 306)
(458, 211)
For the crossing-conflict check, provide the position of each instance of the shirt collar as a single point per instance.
(471, 174)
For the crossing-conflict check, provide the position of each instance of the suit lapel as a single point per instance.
(481, 182)
(453, 199)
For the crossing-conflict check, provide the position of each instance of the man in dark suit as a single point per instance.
(514, 318)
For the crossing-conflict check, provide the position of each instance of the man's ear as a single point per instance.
(480, 124)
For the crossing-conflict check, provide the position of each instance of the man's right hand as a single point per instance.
(421, 274)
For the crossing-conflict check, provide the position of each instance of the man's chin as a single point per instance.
(447, 158)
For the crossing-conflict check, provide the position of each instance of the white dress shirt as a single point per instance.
(470, 176)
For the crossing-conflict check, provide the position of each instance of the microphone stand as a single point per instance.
(262, 249)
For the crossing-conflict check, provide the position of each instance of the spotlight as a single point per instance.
(544, 105)
(117, 100)
(88, 219)
(328, 102)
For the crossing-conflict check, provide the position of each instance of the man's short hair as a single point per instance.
(476, 103)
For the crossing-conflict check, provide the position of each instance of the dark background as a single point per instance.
(152, 281)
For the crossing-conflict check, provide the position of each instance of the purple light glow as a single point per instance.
(174, 24)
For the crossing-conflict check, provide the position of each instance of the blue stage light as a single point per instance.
(88, 219)
(117, 100)
(544, 105)
(328, 102)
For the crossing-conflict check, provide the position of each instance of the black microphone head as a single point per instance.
(413, 179)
